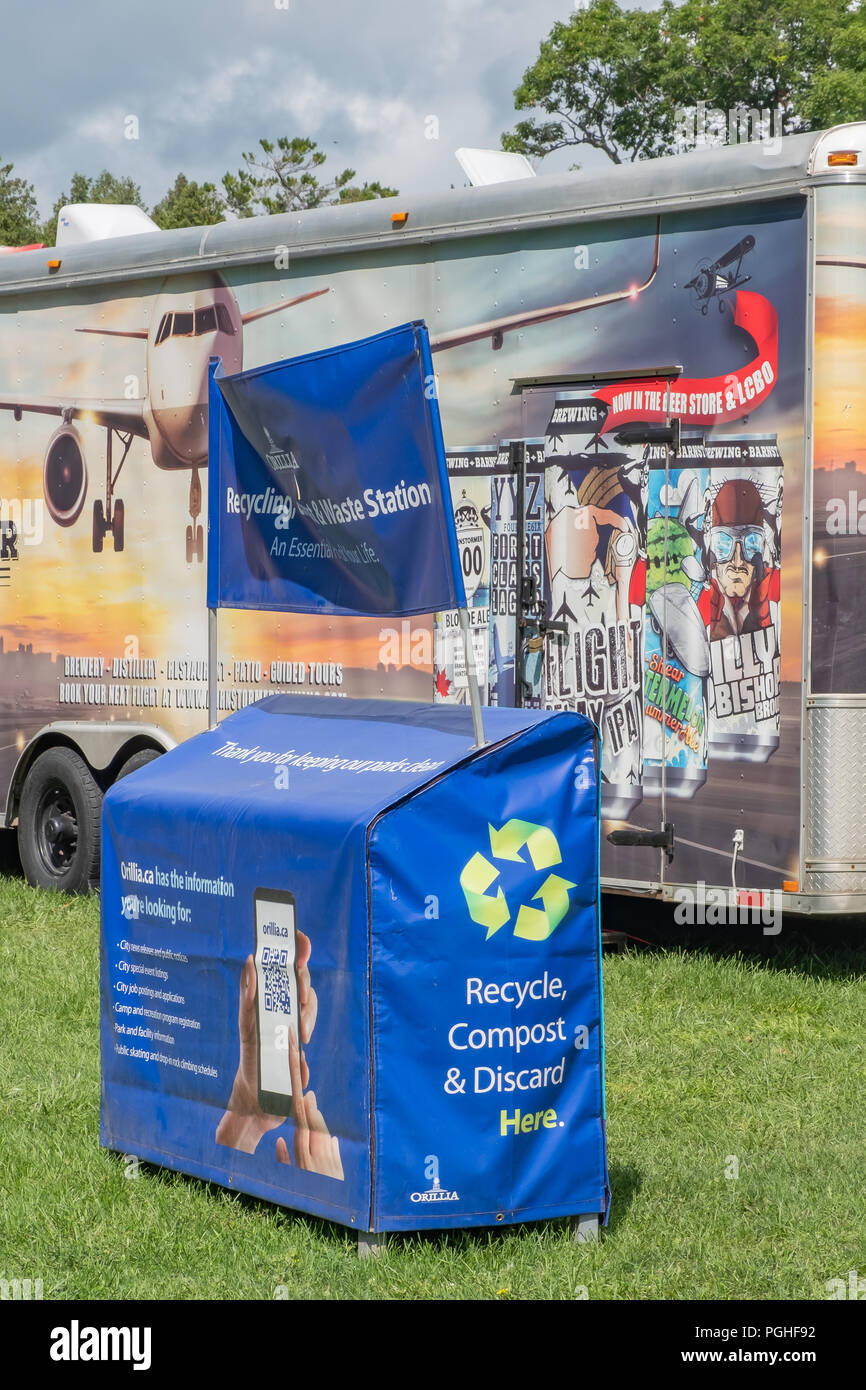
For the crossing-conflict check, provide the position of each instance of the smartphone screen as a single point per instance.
(277, 1001)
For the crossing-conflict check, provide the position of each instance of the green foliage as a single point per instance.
(613, 78)
(19, 216)
(284, 179)
(601, 79)
(352, 194)
(189, 204)
(804, 60)
(105, 188)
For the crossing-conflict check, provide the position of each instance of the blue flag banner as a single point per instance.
(328, 489)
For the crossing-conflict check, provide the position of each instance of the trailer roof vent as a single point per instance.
(83, 222)
(493, 166)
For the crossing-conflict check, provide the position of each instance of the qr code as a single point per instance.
(275, 967)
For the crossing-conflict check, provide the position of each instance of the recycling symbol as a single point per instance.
(491, 910)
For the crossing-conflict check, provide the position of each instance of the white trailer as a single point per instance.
(713, 630)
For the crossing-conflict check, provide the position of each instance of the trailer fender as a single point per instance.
(103, 745)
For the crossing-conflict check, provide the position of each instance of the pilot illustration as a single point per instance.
(743, 579)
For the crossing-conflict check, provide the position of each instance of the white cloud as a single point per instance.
(368, 116)
(208, 78)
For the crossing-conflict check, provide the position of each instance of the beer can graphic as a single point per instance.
(676, 644)
(742, 528)
(469, 473)
(595, 550)
(504, 633)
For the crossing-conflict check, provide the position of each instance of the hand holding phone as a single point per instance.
(316, 1149)
(244, 1121)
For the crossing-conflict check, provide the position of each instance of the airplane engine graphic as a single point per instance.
(64, 475)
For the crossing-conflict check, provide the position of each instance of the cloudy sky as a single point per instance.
(207, 78)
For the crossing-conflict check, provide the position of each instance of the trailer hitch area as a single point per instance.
(542, 626)
(546, 625)
(652, 839)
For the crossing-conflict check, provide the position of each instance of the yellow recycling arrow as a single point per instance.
(507, 843)
(533, 924)
(487, 911)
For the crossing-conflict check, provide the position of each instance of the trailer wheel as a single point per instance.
(98, 526)
(117, 524)
(139, 759)
(58, 823)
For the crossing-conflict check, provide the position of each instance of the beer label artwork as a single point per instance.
(664, 578)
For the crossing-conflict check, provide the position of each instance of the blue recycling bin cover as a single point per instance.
(351, 964)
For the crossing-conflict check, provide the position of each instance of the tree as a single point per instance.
(601, 79)
(19, 216)
(351, 194)
(803, 60)
(189, 204)
(105, 188)
(284, 180)
(617, 79)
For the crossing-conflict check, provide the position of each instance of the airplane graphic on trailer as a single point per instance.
(188, 329)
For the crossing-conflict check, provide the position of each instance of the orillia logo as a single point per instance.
(279, 459)
(491, 910)
(435, 1192)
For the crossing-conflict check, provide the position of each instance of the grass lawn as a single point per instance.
(717, 1061)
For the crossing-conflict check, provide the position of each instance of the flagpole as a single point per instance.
(213, 558)
(450, 537)
(472, 677)
(211, 668)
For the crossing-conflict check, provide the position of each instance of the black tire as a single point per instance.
(98, 526)
(139, 759)
(58, 823)
(117, 524)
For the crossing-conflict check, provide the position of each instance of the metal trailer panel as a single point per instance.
(833, 878)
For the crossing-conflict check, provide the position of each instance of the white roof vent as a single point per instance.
(81, 222)
(493, 166)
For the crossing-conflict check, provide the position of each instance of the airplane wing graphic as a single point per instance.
(115, 414)
(252, 314)
(116, 332)
(851, 262)
(495, 328)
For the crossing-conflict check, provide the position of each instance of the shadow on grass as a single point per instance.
(833, 949)
(624, 1181)
(10, 862)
